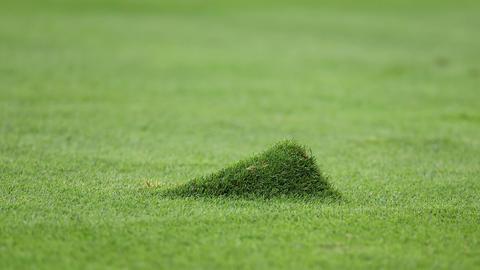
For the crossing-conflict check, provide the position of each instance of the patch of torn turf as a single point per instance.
(286, 169)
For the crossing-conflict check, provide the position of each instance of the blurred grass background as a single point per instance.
(98, 97)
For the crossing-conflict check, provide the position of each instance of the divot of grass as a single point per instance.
(284, 170)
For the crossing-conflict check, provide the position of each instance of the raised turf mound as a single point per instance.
(286, 169)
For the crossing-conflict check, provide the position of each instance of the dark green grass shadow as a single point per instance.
(329, 197)
(286, 171)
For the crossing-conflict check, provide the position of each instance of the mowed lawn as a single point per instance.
(104, 103)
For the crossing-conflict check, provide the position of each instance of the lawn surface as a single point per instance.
(103, 103)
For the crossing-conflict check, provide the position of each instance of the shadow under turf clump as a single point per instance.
(285, 170)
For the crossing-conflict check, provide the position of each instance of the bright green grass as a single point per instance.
(103, 103)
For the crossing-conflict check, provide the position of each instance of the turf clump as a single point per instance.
(286, 169)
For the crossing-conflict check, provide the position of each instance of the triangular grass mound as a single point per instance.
(286, 169)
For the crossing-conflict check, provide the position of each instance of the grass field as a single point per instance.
(104, 103)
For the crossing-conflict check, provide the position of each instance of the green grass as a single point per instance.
(286, 169)
(103, 104)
